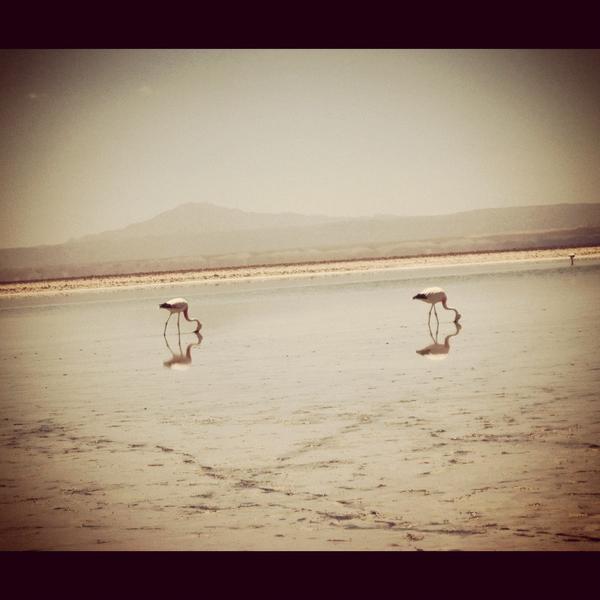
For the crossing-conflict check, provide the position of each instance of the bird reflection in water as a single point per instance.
(181, 361)
(437, 351)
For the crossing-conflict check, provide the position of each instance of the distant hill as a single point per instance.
(196, 218)
(202, 235)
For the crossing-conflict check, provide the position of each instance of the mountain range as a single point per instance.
(203, 235)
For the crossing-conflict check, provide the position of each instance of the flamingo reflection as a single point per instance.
(437, 351)
(181, 361)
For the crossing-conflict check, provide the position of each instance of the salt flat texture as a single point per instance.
(305, 418)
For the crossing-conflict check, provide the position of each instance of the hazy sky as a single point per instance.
(97, 139)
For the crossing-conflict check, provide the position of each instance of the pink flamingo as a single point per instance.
(178, 305)
(432, 296)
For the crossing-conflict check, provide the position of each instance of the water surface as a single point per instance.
(317, 413)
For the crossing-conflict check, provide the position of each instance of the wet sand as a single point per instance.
(305, 418)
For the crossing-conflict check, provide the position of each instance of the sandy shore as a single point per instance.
(64, 286)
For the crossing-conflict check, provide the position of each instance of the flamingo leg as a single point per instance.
(435, 313)
(429, 317)
(165, 331)
(178, 317)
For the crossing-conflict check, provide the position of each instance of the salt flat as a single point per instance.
(305, 418)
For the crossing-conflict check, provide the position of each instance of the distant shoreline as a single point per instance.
(286, 270)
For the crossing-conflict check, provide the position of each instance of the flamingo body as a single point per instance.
(175, 305)
(431, 295)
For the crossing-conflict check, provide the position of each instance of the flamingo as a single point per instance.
(432, 296)
(178, 305)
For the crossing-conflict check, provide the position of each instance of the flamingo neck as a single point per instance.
(456, 313)
(187, 318)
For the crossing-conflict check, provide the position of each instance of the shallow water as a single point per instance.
(305, 418)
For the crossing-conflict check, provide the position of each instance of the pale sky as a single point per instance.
(97, 139)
